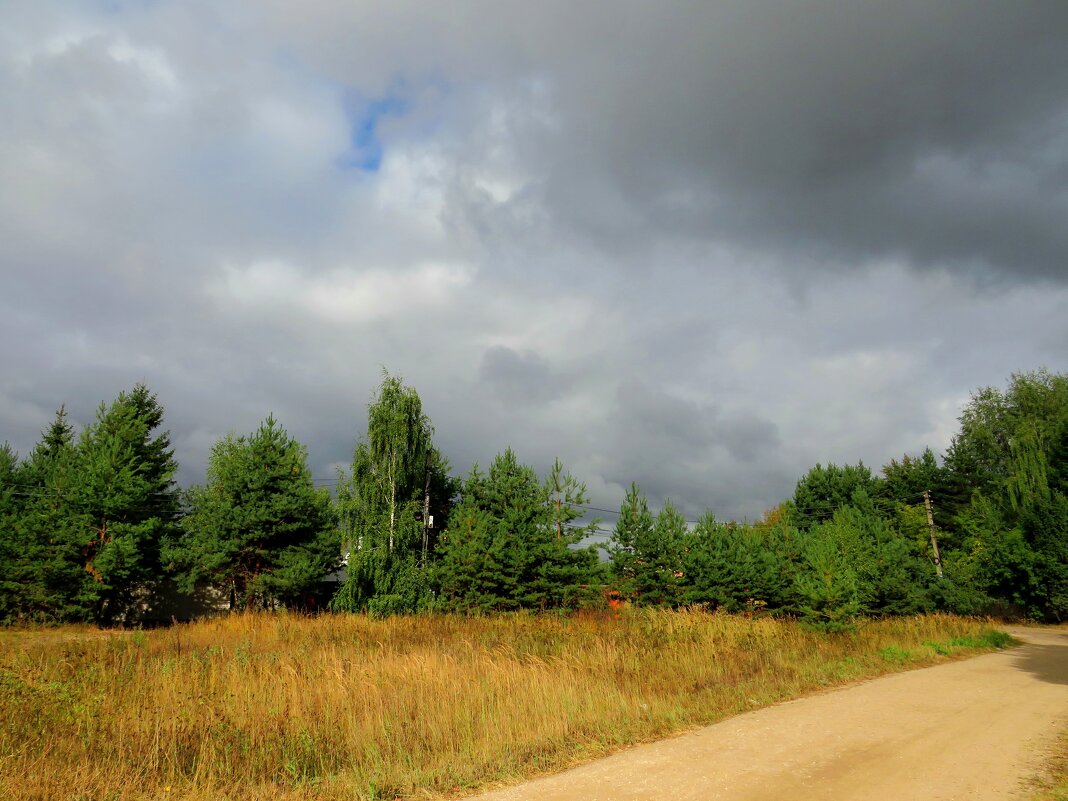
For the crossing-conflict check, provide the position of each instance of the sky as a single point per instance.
(701, 246)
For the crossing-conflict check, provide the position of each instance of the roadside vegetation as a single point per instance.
(282, 706)
(478, 635)
(94, 529)
(1053, 785)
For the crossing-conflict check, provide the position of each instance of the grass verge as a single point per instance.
(1053, 786)
(281, 707)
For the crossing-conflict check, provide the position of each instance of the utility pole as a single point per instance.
(426, 510)
(931, 526)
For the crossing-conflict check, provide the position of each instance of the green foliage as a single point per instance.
(892, 577)
(13, 563)
(993, 554)
(905, 481)
(1045, 529)
(398, 483)
(46, 570)
(259, 527)
(736, 566)
(479, 563)
(1006, 470)
(824, 490)
(630, 536)
(89, 521)
(1011, 442)
(125, 498)
(647, 552)
(509, 543)
(826, 584)
(87, 533)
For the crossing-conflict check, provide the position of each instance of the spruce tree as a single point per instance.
(50, 532)
(123, 500)
(13, 579)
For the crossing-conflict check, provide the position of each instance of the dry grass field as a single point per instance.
(273, 707)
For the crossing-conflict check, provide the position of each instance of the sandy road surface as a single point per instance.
(966, 730)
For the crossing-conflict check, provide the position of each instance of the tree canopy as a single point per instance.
(391, 504)
(258, 527)
(510, 541)
(91, 521)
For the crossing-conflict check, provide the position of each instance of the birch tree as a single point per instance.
(387, 504)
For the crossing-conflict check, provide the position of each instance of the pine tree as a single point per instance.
(735, 566)
(561, 572)
(510, 542)
(633, 528)
(258, 528)
(647, 553)
(479, 563)
(824, 490)
(826, 584)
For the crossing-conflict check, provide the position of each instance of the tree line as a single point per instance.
(92, 523)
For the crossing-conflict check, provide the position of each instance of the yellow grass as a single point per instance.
(286, 707)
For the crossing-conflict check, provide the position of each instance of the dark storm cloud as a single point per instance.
(517, 377)
(935, 132)
(846, 132)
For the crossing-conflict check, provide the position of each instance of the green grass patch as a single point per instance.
(896, 655)
(991, 638)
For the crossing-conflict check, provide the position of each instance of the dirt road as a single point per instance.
(967, 730)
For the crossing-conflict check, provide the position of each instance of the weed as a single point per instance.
(990, 638)
(896, 655)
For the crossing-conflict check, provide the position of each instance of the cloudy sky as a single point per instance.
(697, 245)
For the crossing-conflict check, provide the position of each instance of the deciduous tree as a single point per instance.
(397, 488)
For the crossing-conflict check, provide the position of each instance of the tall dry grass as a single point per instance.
(287, 707)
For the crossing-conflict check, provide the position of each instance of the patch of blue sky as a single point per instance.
(366, 148)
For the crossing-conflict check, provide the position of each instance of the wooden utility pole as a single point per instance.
(931, 526)
(426, 510)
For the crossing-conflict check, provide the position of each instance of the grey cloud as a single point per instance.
(683, 449)
(748, 438)
(521, 378)
(851, 132)
(932, 132)
(714, 243)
